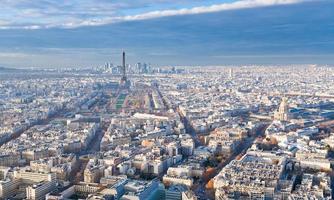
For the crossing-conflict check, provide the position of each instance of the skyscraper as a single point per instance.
(231, 73)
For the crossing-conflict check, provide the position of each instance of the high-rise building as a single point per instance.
(231, 73)
(139, 68)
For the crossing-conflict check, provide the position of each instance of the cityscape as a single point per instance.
(128, 129)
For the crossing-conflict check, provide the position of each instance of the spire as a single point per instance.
(123, 69)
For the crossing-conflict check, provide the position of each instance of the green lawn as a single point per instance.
(120, 101)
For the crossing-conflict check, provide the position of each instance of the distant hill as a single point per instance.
(7, 69)
(10, 69)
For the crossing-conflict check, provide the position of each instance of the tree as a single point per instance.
(210, 185)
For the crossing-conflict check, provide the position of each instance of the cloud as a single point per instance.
(13, 55)
(214, 8)
(73, 14)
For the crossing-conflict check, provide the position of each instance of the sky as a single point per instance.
(88, 33)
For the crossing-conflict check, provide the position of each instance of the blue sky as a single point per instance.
(83, 33)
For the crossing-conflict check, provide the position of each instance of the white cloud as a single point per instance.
(214, 8)
(12, 55)
(242, 4)
(103, 18)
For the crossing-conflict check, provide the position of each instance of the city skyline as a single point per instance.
(88, 34)
(166, 99)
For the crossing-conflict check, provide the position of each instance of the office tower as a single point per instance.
(231, 73)
(139, 68)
